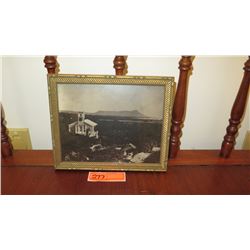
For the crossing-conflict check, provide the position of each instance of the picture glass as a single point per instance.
(110, 123)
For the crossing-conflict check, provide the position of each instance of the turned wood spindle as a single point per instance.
(51, 64)
(6, 145)
(179, 108)
(120, 65)
(236, 113)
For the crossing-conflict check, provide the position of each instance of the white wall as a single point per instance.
(212, 90)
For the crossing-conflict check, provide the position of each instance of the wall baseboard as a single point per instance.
(246, 144)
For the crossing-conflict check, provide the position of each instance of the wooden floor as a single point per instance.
(193, 172)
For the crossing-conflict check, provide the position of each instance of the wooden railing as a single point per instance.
(236, 113)
(179, 108)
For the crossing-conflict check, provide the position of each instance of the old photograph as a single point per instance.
(110, 123)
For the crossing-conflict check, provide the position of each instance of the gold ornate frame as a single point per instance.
(167, 82)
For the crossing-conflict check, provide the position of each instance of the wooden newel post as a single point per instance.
(179, 108)
(51, 64)
(6, 146)
(236, 113)
(120, 65)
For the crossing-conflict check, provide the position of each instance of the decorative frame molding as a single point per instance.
(167, 82)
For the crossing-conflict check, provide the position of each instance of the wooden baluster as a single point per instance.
(51, 64)
(6, 145)
(236, 113)
(120, 65)
(179, 108)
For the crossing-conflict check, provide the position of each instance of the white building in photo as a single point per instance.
(84, 127)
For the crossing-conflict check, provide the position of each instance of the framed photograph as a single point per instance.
(102, 122)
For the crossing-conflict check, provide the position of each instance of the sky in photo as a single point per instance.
(91, 98)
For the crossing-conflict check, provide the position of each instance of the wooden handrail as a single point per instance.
(44, 158)
(179, 108)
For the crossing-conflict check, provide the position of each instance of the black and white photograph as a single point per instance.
(110, 123)
(105, 122)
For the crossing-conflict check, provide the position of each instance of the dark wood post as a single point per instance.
(120, 65)
(51, 64)
(179, 108)
(236, 113)
(6, 145)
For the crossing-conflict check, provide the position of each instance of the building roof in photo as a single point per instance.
(90, 123)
